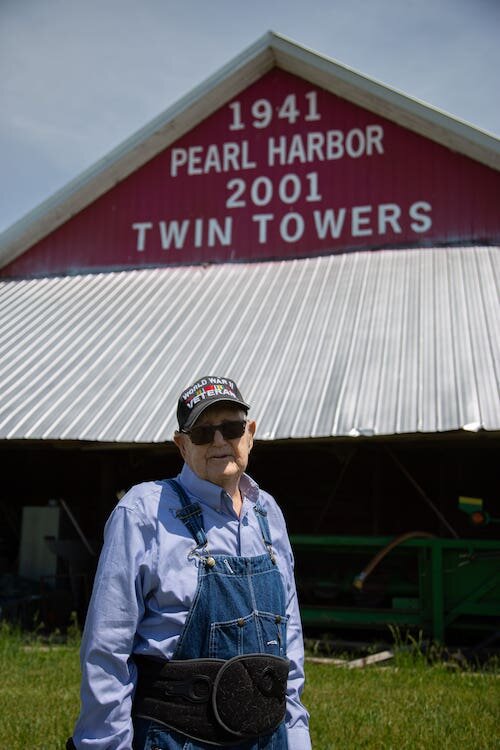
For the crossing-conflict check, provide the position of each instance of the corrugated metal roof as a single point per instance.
(377, 343)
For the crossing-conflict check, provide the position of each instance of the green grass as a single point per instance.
(411, 707)
(38, 692)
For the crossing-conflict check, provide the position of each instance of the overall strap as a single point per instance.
(261, 514)
(190, 514)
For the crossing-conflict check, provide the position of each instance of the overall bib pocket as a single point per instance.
(258, 632)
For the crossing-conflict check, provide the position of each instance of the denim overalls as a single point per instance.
(239, 608)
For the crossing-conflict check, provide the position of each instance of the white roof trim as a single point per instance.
(269, 51)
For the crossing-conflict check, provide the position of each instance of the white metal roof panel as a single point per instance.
(380, 343)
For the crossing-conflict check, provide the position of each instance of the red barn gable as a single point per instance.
(307, 159)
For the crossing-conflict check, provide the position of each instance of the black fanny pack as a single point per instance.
(215, 701)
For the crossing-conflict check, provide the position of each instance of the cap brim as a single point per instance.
(203, 406)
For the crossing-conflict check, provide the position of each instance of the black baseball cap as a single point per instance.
(205, 392)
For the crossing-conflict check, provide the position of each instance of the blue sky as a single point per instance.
(80, 76)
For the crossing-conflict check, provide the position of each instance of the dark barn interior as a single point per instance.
(343, 501)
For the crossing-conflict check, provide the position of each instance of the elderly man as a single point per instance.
(193, 635)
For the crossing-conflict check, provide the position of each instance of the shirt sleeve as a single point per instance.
(297, 717)
(116, 606)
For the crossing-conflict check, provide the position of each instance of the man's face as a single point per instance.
(221, 461)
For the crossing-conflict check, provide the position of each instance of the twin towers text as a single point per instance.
(283, 185)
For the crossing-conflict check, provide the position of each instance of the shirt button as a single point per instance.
(241, 622)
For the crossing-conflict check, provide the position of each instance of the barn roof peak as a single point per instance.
(272, 50)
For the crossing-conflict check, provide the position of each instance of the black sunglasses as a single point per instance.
(205, 433)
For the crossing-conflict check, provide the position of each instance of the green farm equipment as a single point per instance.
(449, 589)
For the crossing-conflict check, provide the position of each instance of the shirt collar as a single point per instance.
(211, 494)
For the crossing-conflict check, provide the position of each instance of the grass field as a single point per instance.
(413, 707)
(408, 707)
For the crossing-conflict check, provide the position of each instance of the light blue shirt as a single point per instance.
(144, 588)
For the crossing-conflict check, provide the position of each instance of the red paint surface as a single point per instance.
(408, 191)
